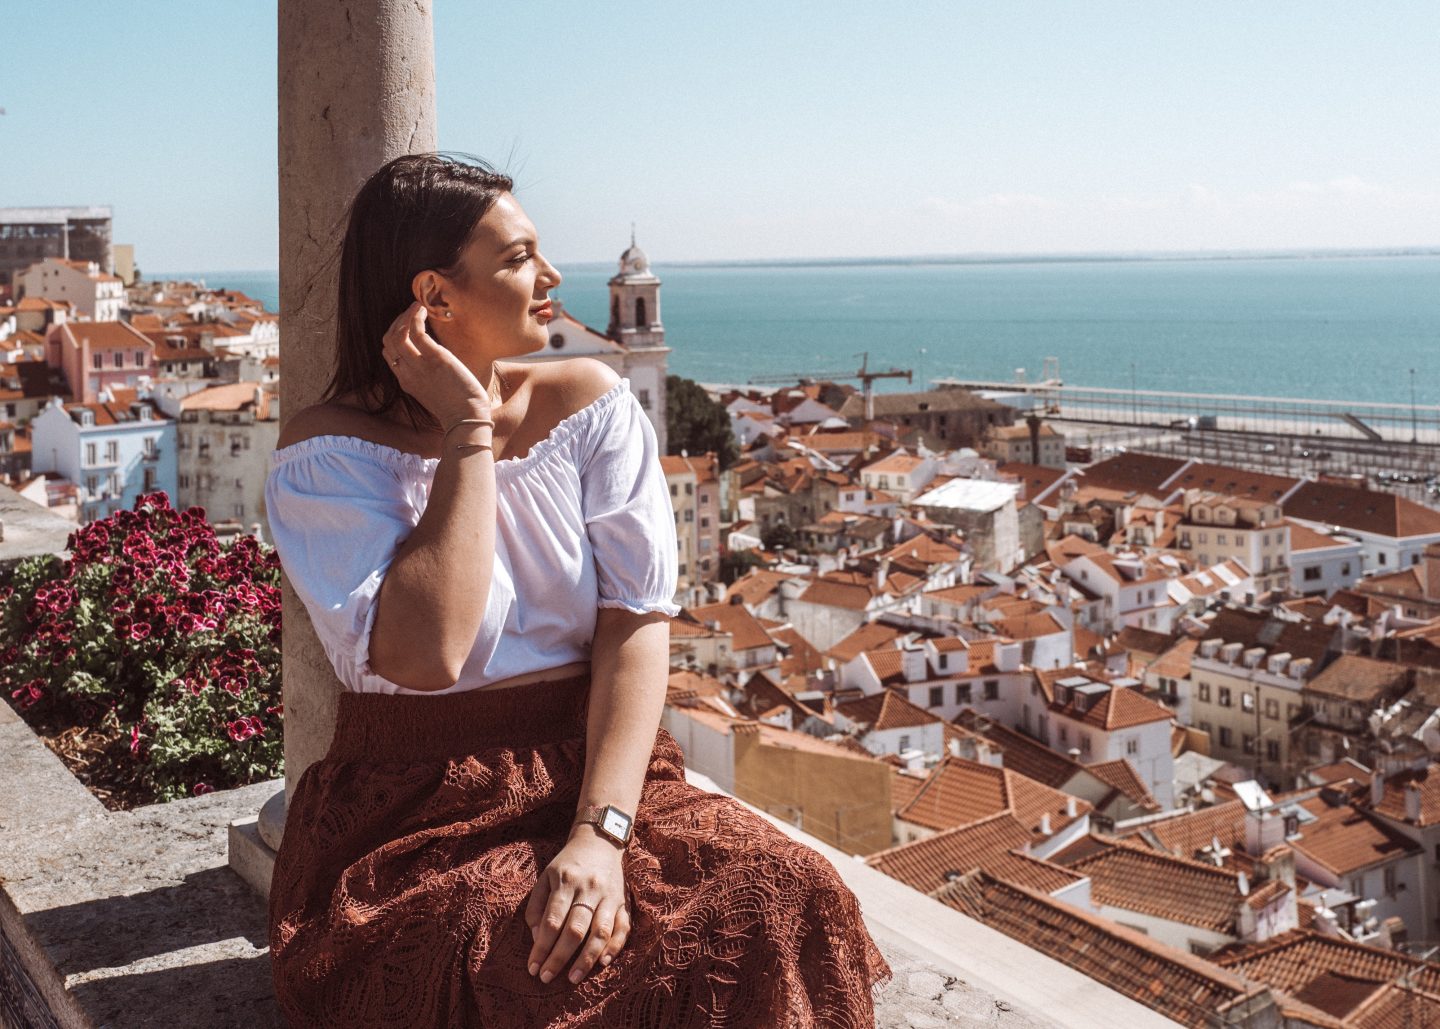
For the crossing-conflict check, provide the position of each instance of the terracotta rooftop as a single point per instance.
(1304, 538)
(1121, 774)
(870, 636)
(829, 592)
(1177, 984)
(105, 336)
(1119, 707)
(929, 863)
(1427, 781)
(1233, 482)
(1354, 677)
(886, 710)
(1345, 840)
(1136, 878)
(1295, 959)
(757, 586)
(1133, 472)
(1188, 833)
(960, 792)
(1372, 511)
(744, 628)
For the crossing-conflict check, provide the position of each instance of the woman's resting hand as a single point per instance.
(580, 897)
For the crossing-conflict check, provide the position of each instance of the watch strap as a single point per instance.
(594, 814)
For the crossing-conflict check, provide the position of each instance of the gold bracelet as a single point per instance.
(474, 446)
(467, 421)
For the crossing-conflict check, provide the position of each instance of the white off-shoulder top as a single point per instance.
(583, 521)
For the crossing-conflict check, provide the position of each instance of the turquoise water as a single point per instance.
(1328, 328)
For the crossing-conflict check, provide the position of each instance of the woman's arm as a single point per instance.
(630, 663)
(432, 600)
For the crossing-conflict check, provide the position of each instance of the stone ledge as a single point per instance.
(135, 919)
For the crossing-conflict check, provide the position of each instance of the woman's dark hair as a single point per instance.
(414, 214)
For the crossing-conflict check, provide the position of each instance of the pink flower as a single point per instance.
(139, 630)
(201, 789)
(135, 739)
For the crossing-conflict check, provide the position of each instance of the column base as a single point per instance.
(254, 842)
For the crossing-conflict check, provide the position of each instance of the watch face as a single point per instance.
(616, 823)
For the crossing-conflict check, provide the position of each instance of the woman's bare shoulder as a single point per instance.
(335, 418)
(573, 384)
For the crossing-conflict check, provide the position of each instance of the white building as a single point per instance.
(1095, 721)
(95, 295)
(633, 344)
(114, 450)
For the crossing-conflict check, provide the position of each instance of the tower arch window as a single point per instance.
(640, 320)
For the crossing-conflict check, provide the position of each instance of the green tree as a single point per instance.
(695, 423)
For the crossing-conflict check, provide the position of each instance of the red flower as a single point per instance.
(201, 789)
(135, 739)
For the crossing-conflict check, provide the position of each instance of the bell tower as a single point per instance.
(635, 302)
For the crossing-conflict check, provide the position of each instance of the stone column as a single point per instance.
(356, 88)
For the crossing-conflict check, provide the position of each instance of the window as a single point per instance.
(112, 450)
(1311, 574)
(1247, 702)
(1390, 881)
(89, 453)
(1224, 696)
(1205, 728)
(149, 479)
(645, 399)
(705, 523)
(92, 484)
(119, 359)
(937, 696)
(1084, 743)
(1272, 750)
(1357, 886)
(1240, 539)
(674, 489)
(1204, 537)
(1225, 736)
(1345, 568)
(1383, 558)
(904, 742)
(139, 358)
(1132, 745)
(97, 361)
(1247, 743)
(1064, 734)
(1219, 539)
(1272, 708)
(150, 450)
(689, 515)
(689, 489)
(1291, 710)
(962, 693)
(992, 689)
(184, 480)
(1205, 692)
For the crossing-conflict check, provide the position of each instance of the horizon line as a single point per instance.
(980, 258)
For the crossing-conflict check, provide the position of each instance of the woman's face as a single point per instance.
(494, 304)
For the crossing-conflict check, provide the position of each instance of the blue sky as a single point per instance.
(758, 130)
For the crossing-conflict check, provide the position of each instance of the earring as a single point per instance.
(449, 314)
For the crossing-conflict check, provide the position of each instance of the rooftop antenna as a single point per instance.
(632, 234)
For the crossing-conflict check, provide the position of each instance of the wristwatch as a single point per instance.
(609, 820)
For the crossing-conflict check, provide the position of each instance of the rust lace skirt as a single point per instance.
(411, 848)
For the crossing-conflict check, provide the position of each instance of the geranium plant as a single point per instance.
(161, 638)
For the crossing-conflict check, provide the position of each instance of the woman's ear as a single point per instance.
(430, 288)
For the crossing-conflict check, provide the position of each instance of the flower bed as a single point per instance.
(150, 659)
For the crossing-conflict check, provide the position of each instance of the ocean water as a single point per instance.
(1329, 328)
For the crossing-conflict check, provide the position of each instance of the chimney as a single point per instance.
(258, 397)
(1430, 572)
(1412, 802)
(1243, 885)
(1073, 754)
(1377, 788)
(1033, 421)
(1071, 808)
(1045, 824)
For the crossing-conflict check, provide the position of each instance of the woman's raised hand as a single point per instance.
(430, 373)
(579, 898)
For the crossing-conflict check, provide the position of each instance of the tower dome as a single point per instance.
(633, 262)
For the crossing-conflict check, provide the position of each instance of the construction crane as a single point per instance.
(865, 375)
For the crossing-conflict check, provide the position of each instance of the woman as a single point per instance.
(500, 834)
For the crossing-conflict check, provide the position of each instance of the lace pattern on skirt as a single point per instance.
(411, 848)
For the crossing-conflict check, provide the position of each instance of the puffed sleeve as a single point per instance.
(626, 503)
(336, 519)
